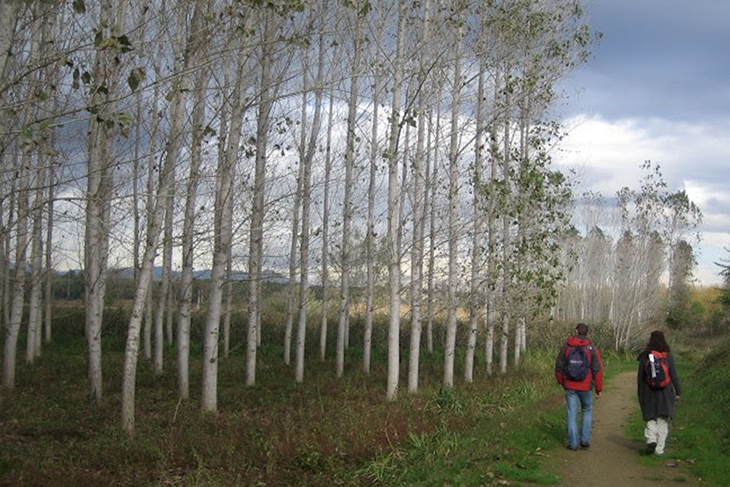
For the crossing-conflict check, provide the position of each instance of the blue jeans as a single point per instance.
(572, 398)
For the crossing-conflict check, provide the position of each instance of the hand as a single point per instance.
(598, 394)
(676, 397)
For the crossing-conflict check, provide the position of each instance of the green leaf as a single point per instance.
(135, 78)
(79, 7)
(123, 44)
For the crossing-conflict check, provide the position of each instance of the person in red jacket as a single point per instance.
(579, 369)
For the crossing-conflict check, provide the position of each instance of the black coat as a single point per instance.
(657, 403)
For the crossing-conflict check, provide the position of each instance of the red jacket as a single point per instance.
(594, 378)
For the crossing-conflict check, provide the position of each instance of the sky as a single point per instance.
(657, 88)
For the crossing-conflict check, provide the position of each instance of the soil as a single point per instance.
(613, 460)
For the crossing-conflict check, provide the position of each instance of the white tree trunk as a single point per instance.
(394, 270)
(433, 185)
(476, 253)
(49, 251)
(451, 322)
(505, 308)
(222, 247)
(370, 224)
(418, 215)
(156, 215)
(98, 193)
(188, 242)
(35, 314)
(306, 201)
(325, 230)
(12, 330)
(257, 211)
(347, 201)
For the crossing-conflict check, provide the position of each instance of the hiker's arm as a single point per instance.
(559, 366)
(597, 369)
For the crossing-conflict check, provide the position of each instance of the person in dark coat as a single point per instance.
(657, 404)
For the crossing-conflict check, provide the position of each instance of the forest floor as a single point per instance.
(614, 460)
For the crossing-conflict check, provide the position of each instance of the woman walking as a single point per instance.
(659, 388)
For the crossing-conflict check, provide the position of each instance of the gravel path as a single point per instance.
(612, 460)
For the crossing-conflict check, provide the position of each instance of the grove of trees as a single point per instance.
(392, 148)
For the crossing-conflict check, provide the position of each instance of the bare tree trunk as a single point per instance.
(12, 330)
(476, 253)
(394, 270)
(228, 304)
(505, 308)
(451, 322)
(433, 184)
(325, 230)
(131, 351)
(49, 250)
(148, 315)
(418, 212)
(172, 150)
(35, 213)
(99, 192)
(347, 204)
(32, 350)
(10, 188)
(306, 200)
(370, 236)
(491, 312)
(156, 213)
(257, 212)
(163, 311)
(188, 242)
(291, 284)
(222, 246)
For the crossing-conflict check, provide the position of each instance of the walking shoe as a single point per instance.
(585, 446)
(650, 448)
(572, 448)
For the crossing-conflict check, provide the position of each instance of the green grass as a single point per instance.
(326, 432)
(699, 434)
(482, 443)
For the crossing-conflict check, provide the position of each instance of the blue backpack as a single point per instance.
(577, 363)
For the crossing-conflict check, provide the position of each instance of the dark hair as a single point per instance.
(657, 342)
(582, 329)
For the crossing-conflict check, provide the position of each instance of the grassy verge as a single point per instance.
(508, 428)
(501, 433)
(327, 432)
(700, 432)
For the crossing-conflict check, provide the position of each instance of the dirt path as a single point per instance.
(612, 460)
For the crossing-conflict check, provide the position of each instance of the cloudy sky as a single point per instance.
(658, 89)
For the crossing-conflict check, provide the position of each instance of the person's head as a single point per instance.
(657, 342)
(581, 329)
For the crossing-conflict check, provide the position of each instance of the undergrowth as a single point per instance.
(328, 431)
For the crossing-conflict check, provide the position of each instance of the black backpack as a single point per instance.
(577, 362)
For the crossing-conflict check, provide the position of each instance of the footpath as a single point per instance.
(613, 459)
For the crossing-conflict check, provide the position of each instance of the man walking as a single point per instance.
(578, 368)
